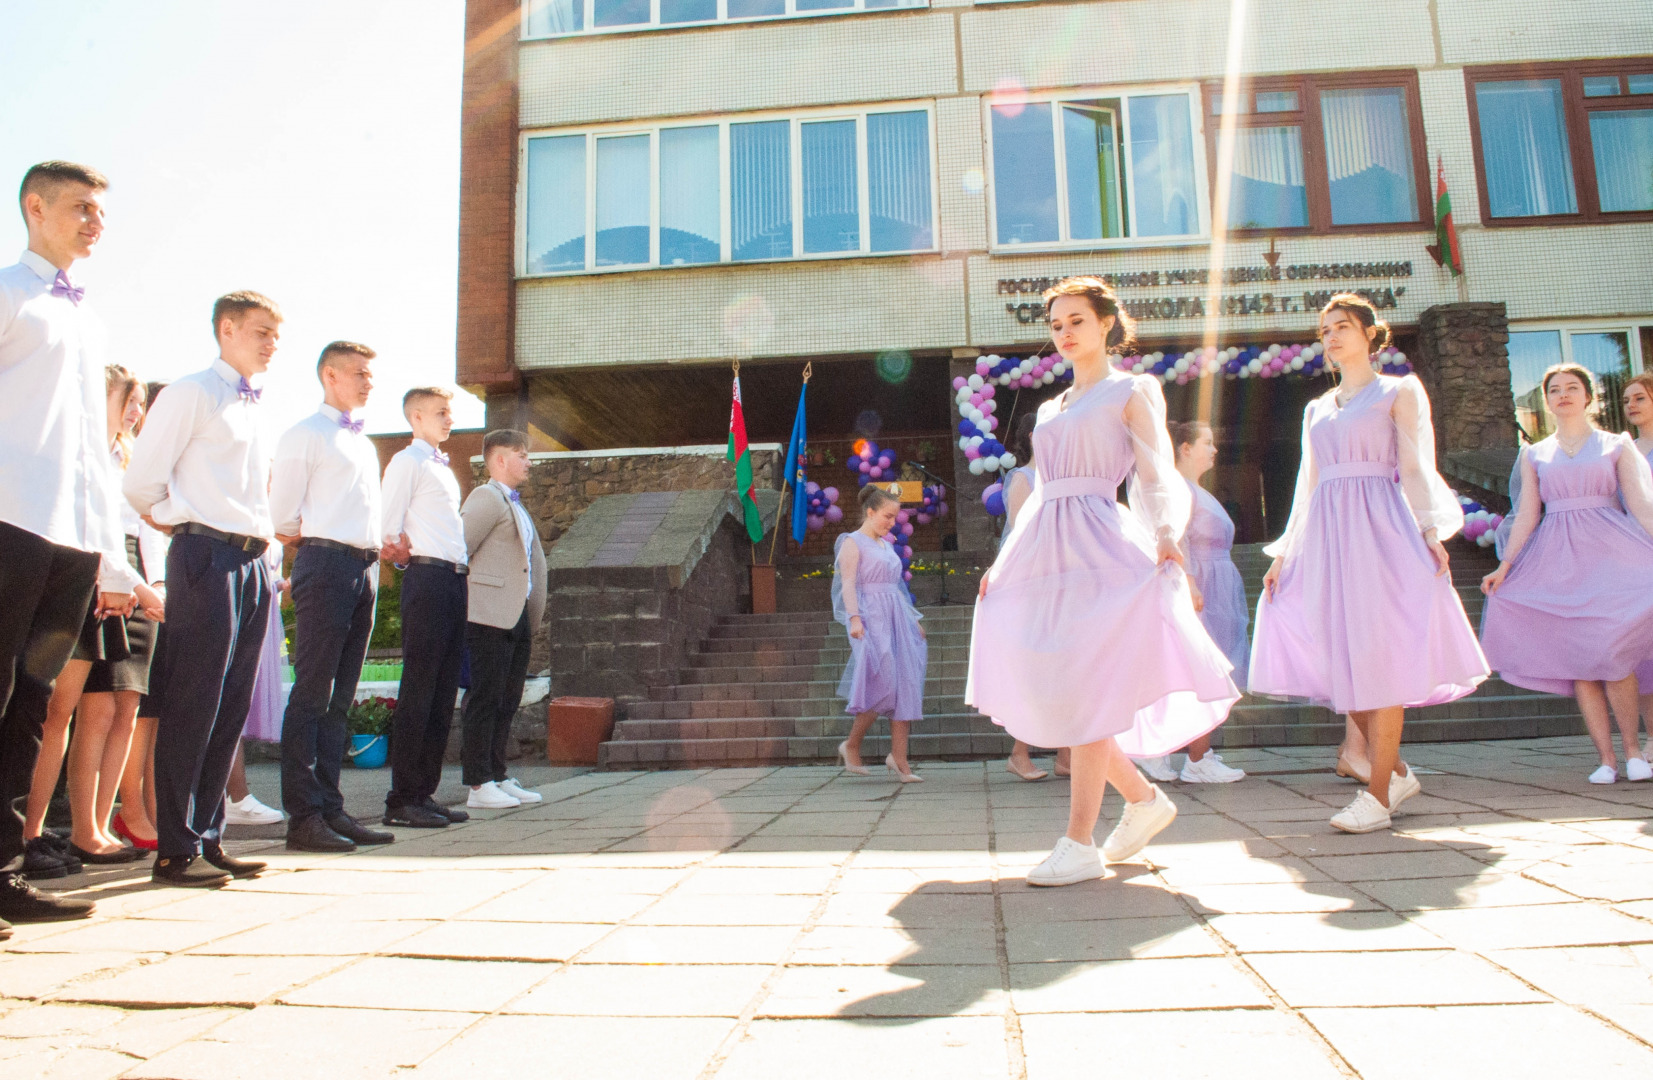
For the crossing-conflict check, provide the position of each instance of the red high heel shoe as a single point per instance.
(120, 830)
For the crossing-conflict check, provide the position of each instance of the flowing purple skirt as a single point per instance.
(1577, 604)
(886, 668)
(1225, 615)
(264, 717)
(1360, 619)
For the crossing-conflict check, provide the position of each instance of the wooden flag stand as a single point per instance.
(763, 574)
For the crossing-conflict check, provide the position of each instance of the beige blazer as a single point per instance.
(502, 577)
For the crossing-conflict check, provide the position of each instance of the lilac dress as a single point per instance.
(1209, 541)
(1360, 618)
(886, 668)
(1578, 600)
(1082, 635)
(264, 715)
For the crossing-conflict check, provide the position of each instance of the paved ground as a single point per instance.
(795, 922)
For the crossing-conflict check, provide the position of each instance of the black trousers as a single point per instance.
(333, 599)
(45, 591)
(433, 645)
(217, 610)
(499, 666)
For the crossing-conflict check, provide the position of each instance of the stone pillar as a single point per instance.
(975, 529)
(1462, 357)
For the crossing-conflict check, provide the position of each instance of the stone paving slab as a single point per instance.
(798, 922)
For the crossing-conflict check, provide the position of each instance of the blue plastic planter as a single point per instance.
(369, 751)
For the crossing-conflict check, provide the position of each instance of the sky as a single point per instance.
(308, 150)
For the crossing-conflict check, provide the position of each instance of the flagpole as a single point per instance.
(786, 478)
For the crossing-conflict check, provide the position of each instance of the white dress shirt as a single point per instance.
(525, 526)
(325, 482)
(152, 545)
(201, 457)
(421, 498)
(55, 479)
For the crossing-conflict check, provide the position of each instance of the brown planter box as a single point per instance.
(575, 727)
(763, 590)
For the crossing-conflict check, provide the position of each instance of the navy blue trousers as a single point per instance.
(433, 645)
(333, 598)
(217, 610)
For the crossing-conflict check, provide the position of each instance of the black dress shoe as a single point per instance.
(414, 817)
(123, 855)
(234, 867)
(187, 872)
(42, 863)
(452, 813)
(311, 833)
(351, 829)
(21, 902)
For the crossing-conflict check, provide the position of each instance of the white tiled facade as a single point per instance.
(951, 57)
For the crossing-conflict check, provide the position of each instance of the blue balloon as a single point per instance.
(964, 427)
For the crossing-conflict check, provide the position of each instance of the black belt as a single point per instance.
(426, 560)
(365, 554)
(252, 545)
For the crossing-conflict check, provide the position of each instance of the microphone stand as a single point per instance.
(946, 569)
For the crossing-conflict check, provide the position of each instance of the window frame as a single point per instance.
(795, 118)
(1576, 110)
(1082, 95)
(1316, 182)
(858, 7)
(1631, 327)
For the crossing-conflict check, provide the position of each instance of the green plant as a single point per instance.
(371, 717)
(387, 614)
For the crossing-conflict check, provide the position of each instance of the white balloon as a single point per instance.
(1007, 460)
(976, 440)
(1170, 374)
(1255, 365)
(974, 382)
(1047, 378)
(1181, 365)
(1274, 350)
(1060, 367)
(990, 464)
(964, 441)
(1296, 363)
(1244, 372)
(976, 467)
(1138, 368)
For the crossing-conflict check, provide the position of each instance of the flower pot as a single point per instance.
(369, 751)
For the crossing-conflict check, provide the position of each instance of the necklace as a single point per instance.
(1571, 447)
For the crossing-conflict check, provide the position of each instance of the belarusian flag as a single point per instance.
(742, 457)
(1445, 251)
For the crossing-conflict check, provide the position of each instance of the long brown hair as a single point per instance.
(1095, 291)
(118, 378)
(1361, 310)
(1592, 398)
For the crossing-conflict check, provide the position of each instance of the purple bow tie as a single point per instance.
(352, 426)
(65, 288)
(516, 496)
(247, 392)
(439, 457)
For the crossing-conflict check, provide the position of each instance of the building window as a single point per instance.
(1564, 142)
(1613, 353)
(804, 186)
(1082, 172)
(1324, 153)
(560, 18)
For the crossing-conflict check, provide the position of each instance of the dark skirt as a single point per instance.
(111, 673)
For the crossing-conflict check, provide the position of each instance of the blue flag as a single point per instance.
(795, 450)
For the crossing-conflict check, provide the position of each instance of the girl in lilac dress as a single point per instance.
(1358, 611)
(887, 651)
(1638, 409)
(1085, 634)
(1570, 607)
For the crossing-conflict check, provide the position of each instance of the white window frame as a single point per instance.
(795, 118)
(857, 7)
(1568, 327)
(1089, 94)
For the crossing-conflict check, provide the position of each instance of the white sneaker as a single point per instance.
(1364, 815)
(518, 792)
(1140, 823)
(490, 797)
(1607, 774)
(1157, 768)
(1402, 788)
(1069, 863)
(1638, 769)
(1210, 769)
(250, 811)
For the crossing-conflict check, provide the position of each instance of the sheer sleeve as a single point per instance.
(1308, 475)
(846, 561)
(1501, 538)
(1159, 496)
(1524, 515)
(1636, 483)
(1432, 502)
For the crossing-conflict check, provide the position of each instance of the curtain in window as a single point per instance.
(832, 207)
(685, 11)
(1268, 189)
(623, 201)
(619, 12)
(556, 204)
(556, 17)
(1607, 353)
(1369, 156)
(1530, 352)
(760, 173)
(1623, 145)
(1024, 174)
(1162, 166)
(898, 182)
(690, 198)
(1524, 146)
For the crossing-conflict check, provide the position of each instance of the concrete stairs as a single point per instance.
(761, 689)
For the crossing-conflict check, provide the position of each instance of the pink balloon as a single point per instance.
(982, 368)
(906, 575)
(831, 494)
(1025, 382)
(814, 524)
(865, 466)
(971, 453)
(902, 516)
(924, 519)
(906, 553)
(875, 472)
(960, 383)
(941, 511)
(976, 400)
(987, 393)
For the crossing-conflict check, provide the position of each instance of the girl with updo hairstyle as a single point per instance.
(1358, 612)
(888, 654)
(1085, 634)
(1570, 608)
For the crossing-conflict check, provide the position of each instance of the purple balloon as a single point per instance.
(812, 488)
(831, 494)
(924, 519)
(902, 516)
(875, 472)
(834, 514)
(941, 511)
(906, 575)
(864, 467)
(906, 553)
(814, 523)
(960, 383)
